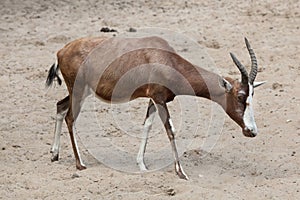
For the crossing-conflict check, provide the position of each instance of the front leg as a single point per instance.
(165, 117)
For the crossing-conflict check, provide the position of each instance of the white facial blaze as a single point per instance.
(248, 117)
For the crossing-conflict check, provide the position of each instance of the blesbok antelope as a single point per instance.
(154, 70)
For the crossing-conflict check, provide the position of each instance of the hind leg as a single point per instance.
(147, 126)
(76, 101)
(62, 108)
(165, 118)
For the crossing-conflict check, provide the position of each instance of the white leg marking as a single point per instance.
(140, 155)
(248, 117)
(76, 146)
(172, 126)
(178, 168)
(56, 141)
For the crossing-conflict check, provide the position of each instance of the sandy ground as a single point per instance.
(267, 167)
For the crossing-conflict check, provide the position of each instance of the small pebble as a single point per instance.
(75, 175)
(171, 192)
(106, 30)
(276, 86)
(132, 29)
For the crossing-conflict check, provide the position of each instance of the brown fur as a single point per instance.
(152, 69)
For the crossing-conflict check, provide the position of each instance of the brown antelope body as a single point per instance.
(151, 69)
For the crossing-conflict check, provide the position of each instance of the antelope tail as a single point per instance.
(52, 74)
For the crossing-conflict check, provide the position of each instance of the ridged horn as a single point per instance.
(253, 71)
(242, 69)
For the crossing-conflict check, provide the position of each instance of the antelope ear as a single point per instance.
(225, 84)
(256, 84)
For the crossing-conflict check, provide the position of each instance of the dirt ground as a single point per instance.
(266, 167)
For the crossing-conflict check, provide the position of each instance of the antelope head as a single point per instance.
(239, 95)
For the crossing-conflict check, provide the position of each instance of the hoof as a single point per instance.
(54, 158)
(180, 172)
(80, 167)
(143, 168)
(182, 176)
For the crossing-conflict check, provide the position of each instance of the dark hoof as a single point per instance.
(180, 172)
(54, 158)
(80, 167)
(182, 176)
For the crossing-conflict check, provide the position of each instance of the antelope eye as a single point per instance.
(241, 97)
